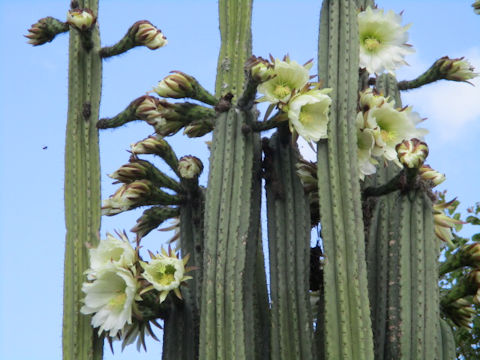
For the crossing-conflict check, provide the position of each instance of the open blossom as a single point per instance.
(165, 272)
(365, 142)
(384, 125)
(308, 114)
(390, 126)
(382, 40)
(287, 76)
(110, 251)
(110, 297)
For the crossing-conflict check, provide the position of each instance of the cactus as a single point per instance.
(82, 187)
(348, 333)
(288, 237)
(374, 277)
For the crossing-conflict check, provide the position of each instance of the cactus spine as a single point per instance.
(347, 327)
(288, 216)
(82, 188)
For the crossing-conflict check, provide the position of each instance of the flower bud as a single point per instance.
(190, 167)
(197, 128)
(261, 70)
(474, 279)
(455, 69)
(148, 35)
(307, 172)
(127, 197)
(148, 110)
(135, 170)
(460, 312)
(45, 30)
(177, 85)
(476, 7)
(82, 19)
(412, 153)
(471, 255)
(150, 145)
(429, 174)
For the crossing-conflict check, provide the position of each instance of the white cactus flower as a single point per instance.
(382, 41)
(110, 297)
(287, 76)
(110, 251)
(308, 114)
(165, 272)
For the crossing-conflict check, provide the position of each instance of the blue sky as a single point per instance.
(33, 105)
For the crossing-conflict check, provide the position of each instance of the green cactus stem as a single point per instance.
(412, 315)
(231, 227)
(448, 349)
(82, 189)
(288, 217)
(348, 333)
(181, 333)
(232, 204)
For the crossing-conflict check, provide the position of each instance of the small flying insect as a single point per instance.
(44, 147)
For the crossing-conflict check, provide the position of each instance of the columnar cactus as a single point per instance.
(368, 292)
(82, 182)
(348, 333)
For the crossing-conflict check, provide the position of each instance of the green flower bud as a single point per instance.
(429, 174)
(148, 110)
(177, 85)
(45, 30)
(190, 167)
(455, 69)
(148, 35)
(412, 153)
(151, 145)
(127, 197)
(476, 7)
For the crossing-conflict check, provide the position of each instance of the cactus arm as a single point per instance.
(348, 333)
(288, 215)
(82, 189)
(235, 30)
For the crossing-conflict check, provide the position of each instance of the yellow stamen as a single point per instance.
(372, 44)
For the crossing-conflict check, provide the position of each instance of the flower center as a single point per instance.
(116, 303)
(281, 90)
(387, 135)
(305, 117)
(166, 276)
(371, 44)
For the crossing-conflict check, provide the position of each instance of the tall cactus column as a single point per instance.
(82, 185)
(288, 217)
(348, 333)
(232, 203)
